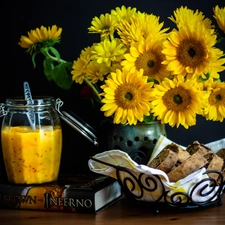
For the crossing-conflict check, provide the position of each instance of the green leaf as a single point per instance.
(48, 68)
(149, 118)
(61, 75)
(205, 79)
(153, 80)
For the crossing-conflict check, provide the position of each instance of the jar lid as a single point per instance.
(77, 123)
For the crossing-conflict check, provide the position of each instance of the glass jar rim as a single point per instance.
(38, 101)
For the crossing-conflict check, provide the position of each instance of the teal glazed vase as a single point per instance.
(137, 140)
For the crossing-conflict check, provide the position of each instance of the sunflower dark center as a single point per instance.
(177, 99)
(128, 96)
(151, 63)
(191, 52)
(218, 97)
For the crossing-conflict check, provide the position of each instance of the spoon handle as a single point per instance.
(28, 97)
(27, 93)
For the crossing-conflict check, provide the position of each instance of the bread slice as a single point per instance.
(221, 153)
(164, 161)
(214, 163)
(219, 181)
(197, 147)
(182, 154)
(193, 163)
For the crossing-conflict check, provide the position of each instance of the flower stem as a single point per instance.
(54, 58)
(93, 88)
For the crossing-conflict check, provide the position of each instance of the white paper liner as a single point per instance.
(185, 185)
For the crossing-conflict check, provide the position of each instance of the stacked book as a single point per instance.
(85, 193)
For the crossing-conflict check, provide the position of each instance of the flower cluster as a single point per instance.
(140, 70)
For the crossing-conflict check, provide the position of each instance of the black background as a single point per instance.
(74, 16)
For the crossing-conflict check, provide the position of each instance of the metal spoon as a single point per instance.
(30, 102)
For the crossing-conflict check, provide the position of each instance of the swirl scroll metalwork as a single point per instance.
(206, 192)
(209, 190)
(136, 187)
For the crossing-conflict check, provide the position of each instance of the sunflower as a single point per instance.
(40, 37)
(105, 25)
(219, 15)
(130, 31)
(127, 96)
(191, 51)
(151, 26)
(139, 26)
(215, 108)
(96, 71)
(80, 65)
(183, 16)
(123, 13)
(177, 101)
(147, 55)
(109, 51)
(79, 70)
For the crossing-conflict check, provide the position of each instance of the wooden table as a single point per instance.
(122, 212)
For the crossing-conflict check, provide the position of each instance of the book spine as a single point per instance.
(48, 198)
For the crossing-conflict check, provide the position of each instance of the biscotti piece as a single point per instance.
(182, 154)
(197, 147)
(221, 153)
(219, 181)
(193, 163)
(164, 161)
(214, 163)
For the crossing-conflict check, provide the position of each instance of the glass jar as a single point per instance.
(31, 138)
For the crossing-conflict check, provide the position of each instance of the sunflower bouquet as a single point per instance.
(142, 71)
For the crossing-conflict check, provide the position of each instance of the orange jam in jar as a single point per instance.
(31, 154)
